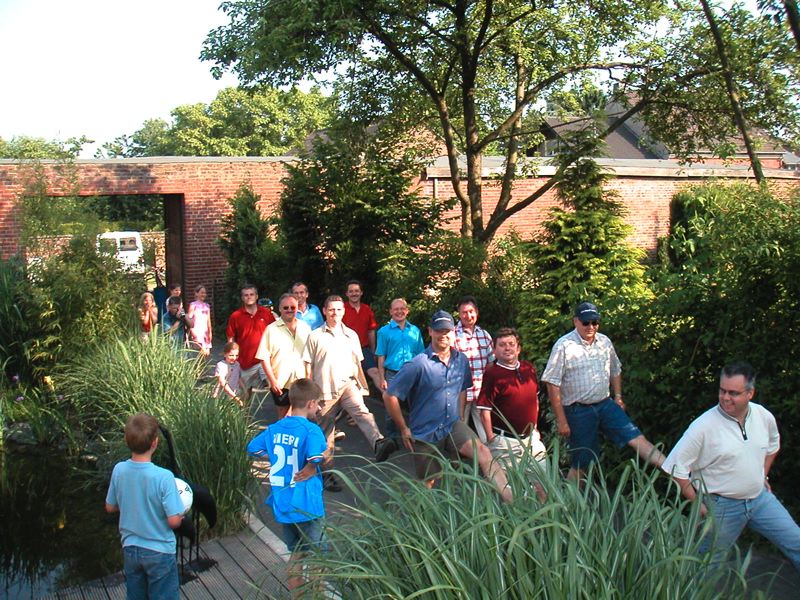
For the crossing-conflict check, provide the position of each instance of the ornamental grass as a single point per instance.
(459, 540)
(120, 377)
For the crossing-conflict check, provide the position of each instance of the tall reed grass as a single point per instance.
(459, 541)
(120, 377)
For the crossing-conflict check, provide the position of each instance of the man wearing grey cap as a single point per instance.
(434, 384)
(582, 365)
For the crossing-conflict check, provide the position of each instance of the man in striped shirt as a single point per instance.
(476, 344)
(581, 366)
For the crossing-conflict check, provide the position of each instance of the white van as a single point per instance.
(127, 245)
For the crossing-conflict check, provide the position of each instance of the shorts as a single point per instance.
(369, 359)
(251, 377)
(304, 536)
(283, 399)
(586, 420)
(427, 456)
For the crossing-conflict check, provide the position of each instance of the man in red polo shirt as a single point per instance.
(359, 317)
(245, 327)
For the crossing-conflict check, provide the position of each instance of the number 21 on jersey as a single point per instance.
(283, 471)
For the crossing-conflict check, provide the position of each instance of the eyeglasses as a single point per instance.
(587, 323)
(292, 308)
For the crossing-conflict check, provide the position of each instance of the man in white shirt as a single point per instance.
(724, 458)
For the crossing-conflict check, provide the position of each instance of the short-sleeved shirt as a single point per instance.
(291, 443)
(334, 356)
(284, 351)
(477, 346)
(512, 394)
(362, 321)
(583, 371)
(398, 346)
(227, 373)
(432, 390)
(715, 455)
(146, 496)
(311, 316)
(177, 337)
(246, 330)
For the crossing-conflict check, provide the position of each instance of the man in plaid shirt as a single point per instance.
(582, 366)
(476, 344)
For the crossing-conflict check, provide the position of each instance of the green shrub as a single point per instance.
(13, 324)
(728, 290)
(459, 541)
(120, 377)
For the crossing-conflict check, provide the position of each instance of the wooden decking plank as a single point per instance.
(73, 593)
(266, 581)
(212, 580)
(95, 591)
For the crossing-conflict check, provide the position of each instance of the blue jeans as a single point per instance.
(304, 536)
(585, 422)
(150, 575)
(764, 514)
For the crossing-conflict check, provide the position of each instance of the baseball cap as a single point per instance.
(442, 319)
(586, 311)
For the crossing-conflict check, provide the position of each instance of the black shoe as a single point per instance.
(384, 448)
(330, 483)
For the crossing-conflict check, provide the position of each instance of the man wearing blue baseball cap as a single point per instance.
(434, 384)
(582, 365)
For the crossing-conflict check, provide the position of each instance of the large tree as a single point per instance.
(263, 121)
(480, 72)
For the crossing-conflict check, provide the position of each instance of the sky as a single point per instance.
(100, 68)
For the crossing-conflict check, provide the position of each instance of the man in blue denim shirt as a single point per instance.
(435, 385)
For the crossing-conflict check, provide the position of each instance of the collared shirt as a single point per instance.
(334, 356)
(178, 337)
(477, 346)
(582, 370)
(398, 346)
(284, 351)
(714, 453)
(432, 390)
(246, 330)
(512, 394)
(362, 321)
(311, 316)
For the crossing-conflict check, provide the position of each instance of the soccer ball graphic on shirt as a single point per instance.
(186, 494)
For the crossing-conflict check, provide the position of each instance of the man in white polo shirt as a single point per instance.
(724, 459)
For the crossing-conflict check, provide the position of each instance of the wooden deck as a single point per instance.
(250, 565)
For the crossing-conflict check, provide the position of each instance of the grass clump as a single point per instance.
(124, 376)
(460, 541)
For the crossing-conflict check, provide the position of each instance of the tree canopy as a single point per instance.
(263, 121)
(26, 147)
(480, 72)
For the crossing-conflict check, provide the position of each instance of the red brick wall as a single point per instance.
(207, 183)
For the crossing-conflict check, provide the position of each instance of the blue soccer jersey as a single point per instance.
(291, 443)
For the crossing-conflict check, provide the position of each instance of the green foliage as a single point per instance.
(33, 148)
(727, 291)
(13, 324)
(123, 376)
(254, 256)
(477, 73)
(460, 541)
(581, 255)
(350, 205)
(128, 213)
(263, 121)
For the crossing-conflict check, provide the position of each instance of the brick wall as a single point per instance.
(206, 184)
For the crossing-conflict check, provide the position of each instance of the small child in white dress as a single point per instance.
(228, 372)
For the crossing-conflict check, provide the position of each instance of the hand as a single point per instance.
(384, 384)
(408, 441)
(703, 511)
(618, 400)
(306, 472)
(563, 428)
(276, 391)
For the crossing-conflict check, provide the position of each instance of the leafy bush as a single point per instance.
(459, 541)
(253, 255)
(120, 377)
(13, 324)
(727, 290)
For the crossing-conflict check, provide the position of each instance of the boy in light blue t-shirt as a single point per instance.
(296, 447)
(150, 508)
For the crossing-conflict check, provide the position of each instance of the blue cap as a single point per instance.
(442, 319)
(586, 311)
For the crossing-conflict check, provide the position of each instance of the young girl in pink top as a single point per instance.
(200, 317)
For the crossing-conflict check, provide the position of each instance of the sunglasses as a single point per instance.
(289, 308)
(587, 323)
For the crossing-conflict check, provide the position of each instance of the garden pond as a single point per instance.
(54, 531)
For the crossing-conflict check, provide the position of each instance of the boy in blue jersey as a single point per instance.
(150, 508)
(296, 447)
